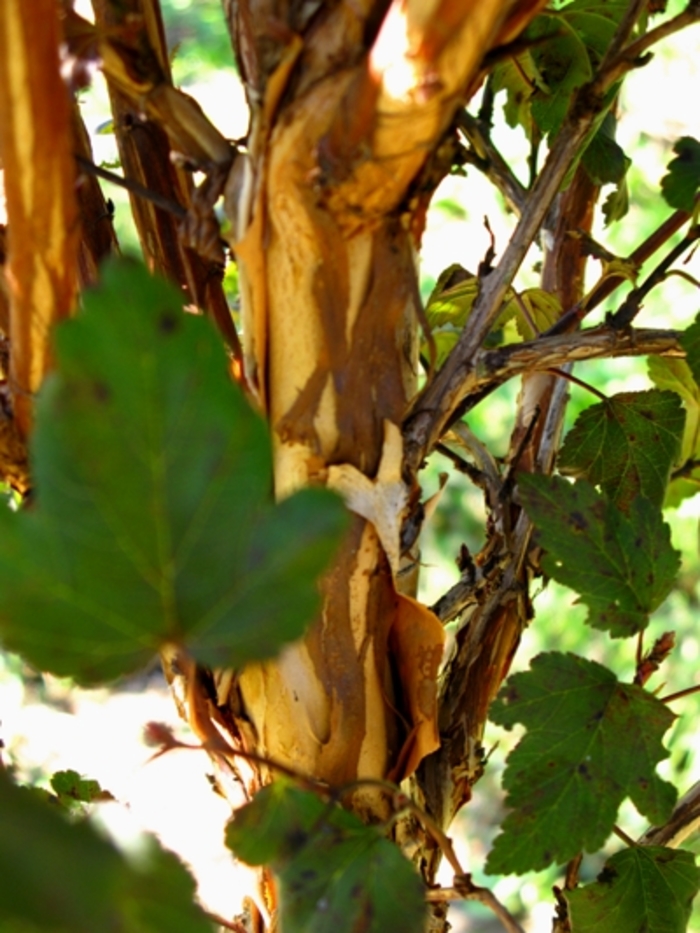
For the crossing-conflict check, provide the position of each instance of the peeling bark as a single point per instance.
(36, 150)
(327, 210)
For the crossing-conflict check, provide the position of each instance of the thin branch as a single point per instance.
(494, 367)
(437, 407)
(165, 204)
(633, 302)
(607, 284)
(462, 465)
(633, 52)
(466, 890)
(621, 834)
(217, 745)
(608, 71)
(489, 160)
(234, 925)
(681, 693)
(563, 374)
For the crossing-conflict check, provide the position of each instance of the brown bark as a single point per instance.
(131, 40)
(36, 151)
(327, 211)
(490, 631)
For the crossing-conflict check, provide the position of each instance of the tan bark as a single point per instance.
(36, 149)
(327, 211)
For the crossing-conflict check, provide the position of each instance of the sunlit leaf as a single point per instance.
(675, 375)
(647, 888)
(72, 790)
(154, 521)
(681, 182)
(621, 565)
(591, 741)
(534, 311)
(627, 444)
(332, 871)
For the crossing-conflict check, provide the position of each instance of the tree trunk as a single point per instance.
(350, 134)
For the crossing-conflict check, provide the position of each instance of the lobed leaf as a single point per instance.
(591, 741)
(564, 65)
(567, 45)
(332, 871)
(681, 182)
(626, 444)
(648, 888)
(154, 521)
(622, 566)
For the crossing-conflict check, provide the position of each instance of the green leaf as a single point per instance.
(595, 22)
(72, 790)
(627, 444)
(519, 78)
(642, 888)
(564, 66)
(681, 182)
(675, 375)
(591, 741)
(154, 522)
(58, 875)
(622, 565)
(568, 44)
(616, 203)
(604, 159)
(690, 341)
(332, 871)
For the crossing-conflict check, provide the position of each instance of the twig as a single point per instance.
(466, 890)
(621, 834)
(681, 693)
(462, 465)
(166, 204)
(633, 303)
(609, 71)
(436, 408)
(576, 381)
(494, 367)
(489, 160)
(572, 870)
(607, 284)
(227, 924)
(640, 650)
(217, 745)
(633, 52)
